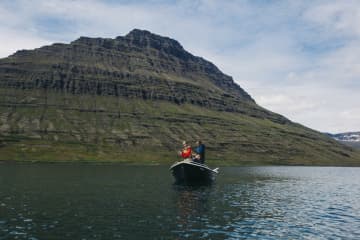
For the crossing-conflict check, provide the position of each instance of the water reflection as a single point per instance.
(120, 202)
(271, 203)
(192, 208)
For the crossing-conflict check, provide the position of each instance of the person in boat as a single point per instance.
(186, 151)
(200, 152)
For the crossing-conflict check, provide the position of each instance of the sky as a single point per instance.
(297, 58)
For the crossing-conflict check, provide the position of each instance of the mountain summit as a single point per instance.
(136, 97)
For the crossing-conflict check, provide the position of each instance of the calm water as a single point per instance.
(127, 202)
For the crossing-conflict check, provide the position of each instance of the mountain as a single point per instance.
(349, 138)
(134, 99)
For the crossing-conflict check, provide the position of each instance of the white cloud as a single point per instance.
(341, 17)
(320, 108)
(11, 41)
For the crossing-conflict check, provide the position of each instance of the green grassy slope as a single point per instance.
(351, 144)
(62, 127)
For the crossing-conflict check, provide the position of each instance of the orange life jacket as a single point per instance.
(186, 153)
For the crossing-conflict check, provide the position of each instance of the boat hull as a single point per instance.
(189, 172)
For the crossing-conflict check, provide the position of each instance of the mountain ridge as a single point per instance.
(351, 139)
(106, 99)
(222, 87)
(346, 136)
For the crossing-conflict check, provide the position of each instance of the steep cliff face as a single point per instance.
(141, 65)
(120, 98)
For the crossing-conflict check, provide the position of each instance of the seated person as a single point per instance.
(186, 152)
(200, 152)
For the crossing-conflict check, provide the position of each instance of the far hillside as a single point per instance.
(351, 139)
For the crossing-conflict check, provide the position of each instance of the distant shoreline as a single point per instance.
(147, 164)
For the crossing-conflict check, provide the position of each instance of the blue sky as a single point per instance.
(298, 58)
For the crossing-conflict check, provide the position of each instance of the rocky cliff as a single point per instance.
(135, 98)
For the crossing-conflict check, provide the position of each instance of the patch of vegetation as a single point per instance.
(67, 128)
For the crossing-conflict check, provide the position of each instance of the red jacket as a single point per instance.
(186, 153)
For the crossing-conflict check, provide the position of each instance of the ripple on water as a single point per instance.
(123, 202)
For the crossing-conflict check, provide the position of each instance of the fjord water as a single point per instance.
(45, 201)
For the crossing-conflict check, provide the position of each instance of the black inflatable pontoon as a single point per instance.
(188, 171)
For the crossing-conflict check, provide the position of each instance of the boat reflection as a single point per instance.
(193, 209)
